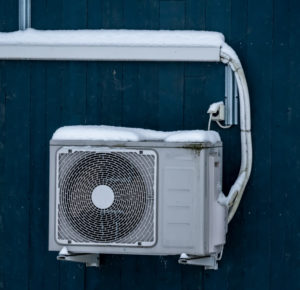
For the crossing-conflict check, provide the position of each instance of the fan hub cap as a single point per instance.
(103, 196)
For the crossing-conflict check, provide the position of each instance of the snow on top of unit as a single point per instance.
(111, 133)
(113, 37)
(193, 136)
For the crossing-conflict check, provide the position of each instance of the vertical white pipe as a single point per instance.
(24, 14)
(229, 57)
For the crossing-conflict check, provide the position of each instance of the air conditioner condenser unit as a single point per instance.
(136, 197)
(158, 195)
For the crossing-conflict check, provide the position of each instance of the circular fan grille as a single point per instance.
(129, 177)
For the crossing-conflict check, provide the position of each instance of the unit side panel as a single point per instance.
(181, 198)
(217, 219)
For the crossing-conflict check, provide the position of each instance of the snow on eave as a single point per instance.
(111, 133)
(121, 37)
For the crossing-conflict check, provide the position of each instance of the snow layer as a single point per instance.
(184, 256)
(111, 133)
(113, 37)
(64, 252)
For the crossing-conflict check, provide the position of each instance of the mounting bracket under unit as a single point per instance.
(93, 260)
(209, 262)
(90, 260)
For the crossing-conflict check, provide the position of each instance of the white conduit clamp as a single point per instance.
(232, 201)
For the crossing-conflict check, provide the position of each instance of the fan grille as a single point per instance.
(130, 174)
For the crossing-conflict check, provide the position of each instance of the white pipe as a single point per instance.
(228, 56)
(24, 14)
(111, 45)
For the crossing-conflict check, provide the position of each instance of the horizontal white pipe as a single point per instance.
(116, 45)
(108, 53)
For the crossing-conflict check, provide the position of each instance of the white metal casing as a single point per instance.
(189, 218)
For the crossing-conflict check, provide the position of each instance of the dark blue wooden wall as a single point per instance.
(263, 245)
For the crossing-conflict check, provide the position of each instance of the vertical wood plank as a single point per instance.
(93, 93)
(280, 126)
(38, 8)
(257, 206)
(2, 160)
(292, 245)
(14, 207)
(285, 167)
(195, 14)
(112, 14)
(54, 101)
(171, 86)
(9, 15)
(2, 121)
(43, 265)
(54, 96)
(94, 14)
(112, 96)
(108, 276)
(74, 14)
(195, 102)
(140, 89)
(292, 260)
(47, 14)
(74, 93)
(172, 15)
(168, 273)
(141, 14)
(218, 16)
(132, 109)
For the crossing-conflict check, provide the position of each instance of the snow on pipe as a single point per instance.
(228, 56)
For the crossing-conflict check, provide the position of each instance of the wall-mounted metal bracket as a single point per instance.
(209, 262)
(90, 260)
(24, 14)
(231, 98)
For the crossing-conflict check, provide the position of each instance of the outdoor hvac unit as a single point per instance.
(147, 198)
(150, 198)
